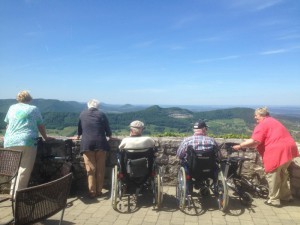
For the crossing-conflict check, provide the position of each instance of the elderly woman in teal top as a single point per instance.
(24, 122)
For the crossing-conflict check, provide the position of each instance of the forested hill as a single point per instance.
(173, 120)
(53, 105)
(160, 120)
(61, 115)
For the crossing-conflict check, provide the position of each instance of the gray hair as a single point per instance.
(93, 103)
(263, 111)
(137, 131)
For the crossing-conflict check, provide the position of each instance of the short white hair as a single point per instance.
(137, 124)
(263, 111)
(93, 103)
(137, 127)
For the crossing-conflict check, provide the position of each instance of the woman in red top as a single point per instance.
(277, 148)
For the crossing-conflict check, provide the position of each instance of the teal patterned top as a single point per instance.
(23, 121)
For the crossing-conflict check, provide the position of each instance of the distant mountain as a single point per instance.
(52, 105)
(235, 120)
(177, 120)
(292, 111)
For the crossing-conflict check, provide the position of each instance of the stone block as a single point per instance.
(166, 157)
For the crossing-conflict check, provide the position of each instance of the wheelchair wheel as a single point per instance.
(114, 187)
(262, 191)
(246, 198)
(181, 188)
(158, 190)
(222, 192)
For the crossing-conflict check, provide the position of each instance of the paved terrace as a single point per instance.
(82, 210)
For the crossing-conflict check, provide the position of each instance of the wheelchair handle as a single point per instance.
(229, 148)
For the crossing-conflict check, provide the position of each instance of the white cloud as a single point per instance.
(217, 59)
(271, 52)
(279, 51)
(255, 5)
(289, 37)
(267, 4)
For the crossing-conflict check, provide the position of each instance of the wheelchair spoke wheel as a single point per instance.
(262, 191)
(222, 192)
(181, 188)
(246, 198)
(158, 190)
(114, 187)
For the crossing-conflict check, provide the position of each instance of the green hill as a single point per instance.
(61, 118)
(53, 105)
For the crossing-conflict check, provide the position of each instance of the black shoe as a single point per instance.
(91, 195)
(271, 204)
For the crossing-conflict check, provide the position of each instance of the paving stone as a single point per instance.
(86, 212)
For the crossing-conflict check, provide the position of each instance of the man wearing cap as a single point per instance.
(136, 141)
(199, 141)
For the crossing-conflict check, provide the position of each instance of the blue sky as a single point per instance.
(176, 52)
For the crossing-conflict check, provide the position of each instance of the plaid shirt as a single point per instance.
(199, 142)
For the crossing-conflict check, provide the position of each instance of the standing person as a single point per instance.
(277, 148)
(135, 139)
(24, 122)
(199, 141)
(94, 128)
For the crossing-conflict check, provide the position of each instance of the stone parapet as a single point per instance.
(58, 156)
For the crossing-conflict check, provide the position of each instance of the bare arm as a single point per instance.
(42, 130)
(249, 143)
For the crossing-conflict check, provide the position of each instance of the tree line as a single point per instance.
(159, 120)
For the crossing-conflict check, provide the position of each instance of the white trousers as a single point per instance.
(26, 166)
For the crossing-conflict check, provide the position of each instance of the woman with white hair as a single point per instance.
(94, 129)
(277, 148)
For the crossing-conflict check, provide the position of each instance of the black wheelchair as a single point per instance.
(136, 168)
(201, 171)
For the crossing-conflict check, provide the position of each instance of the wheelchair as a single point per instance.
(201, 171)
(136, 168)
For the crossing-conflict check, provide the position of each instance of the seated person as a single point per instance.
(136, 141)
(199, 141)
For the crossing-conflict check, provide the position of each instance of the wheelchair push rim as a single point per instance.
(158, 191)
(114, 187)
(222, 192)
(181, 188)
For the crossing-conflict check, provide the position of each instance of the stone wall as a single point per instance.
(294, 170)
(59, 156)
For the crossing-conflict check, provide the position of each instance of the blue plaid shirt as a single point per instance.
(200, 143)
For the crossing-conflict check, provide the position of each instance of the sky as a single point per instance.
(170, 52)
